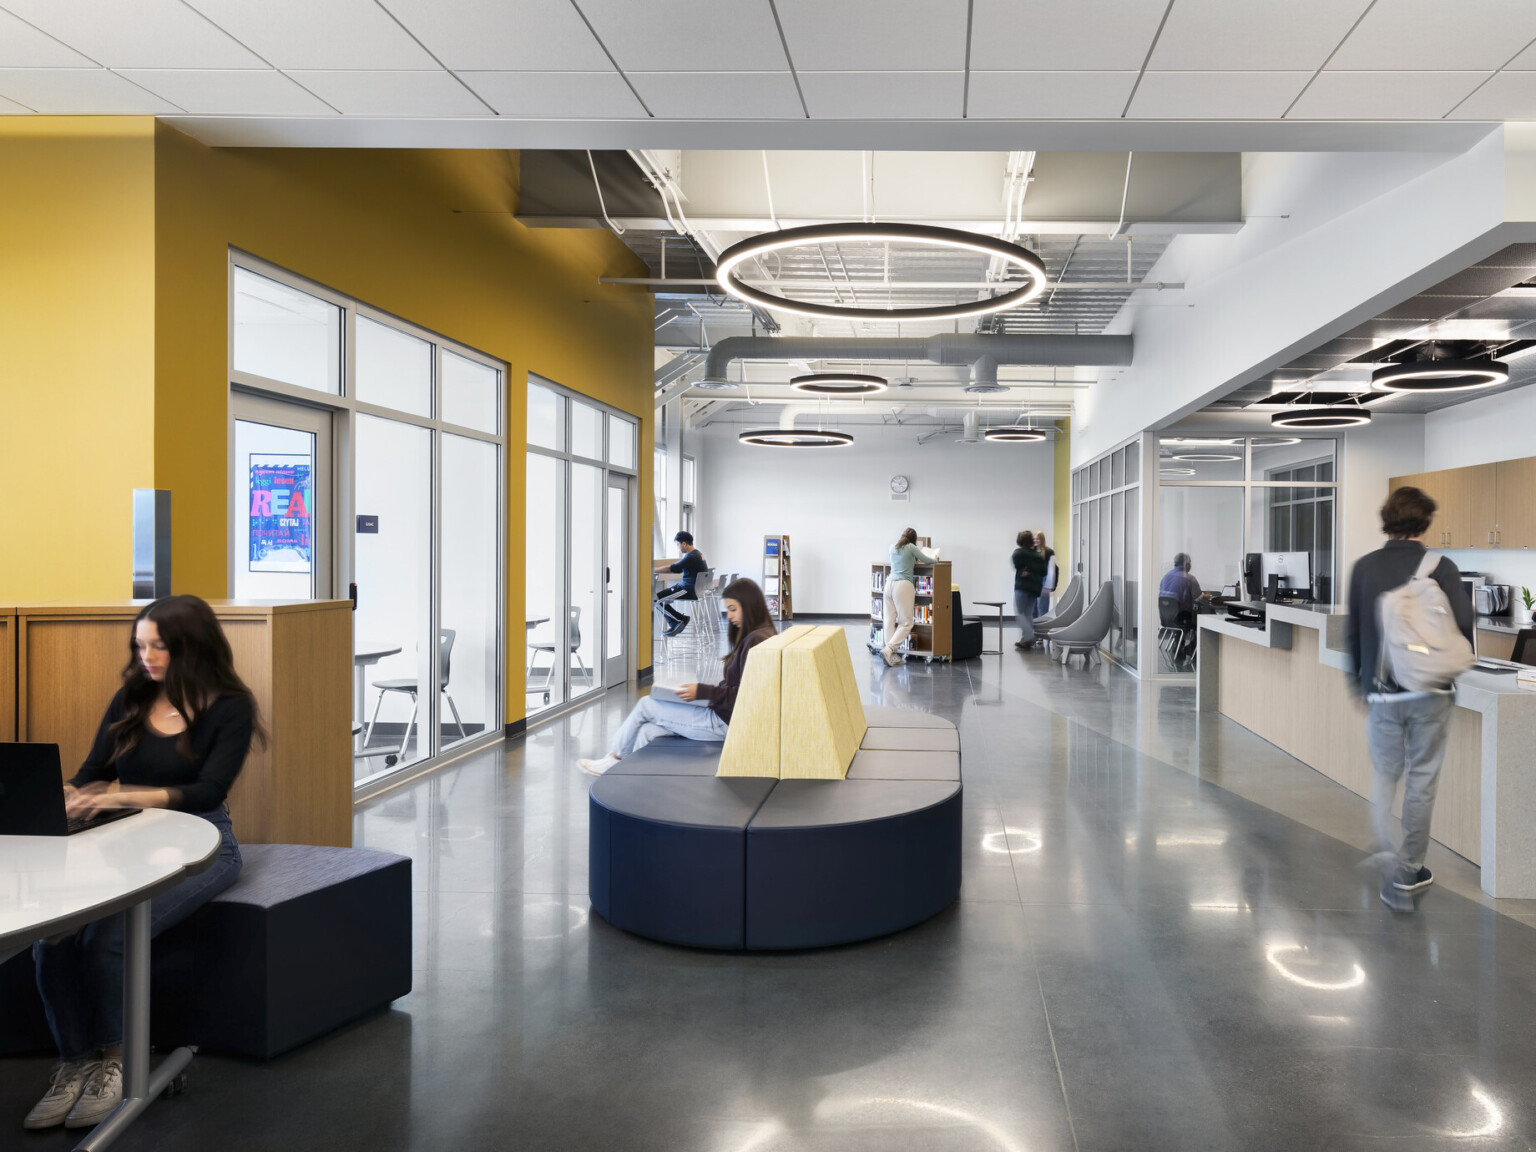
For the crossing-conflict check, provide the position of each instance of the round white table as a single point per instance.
(365, 654)
(55, 884)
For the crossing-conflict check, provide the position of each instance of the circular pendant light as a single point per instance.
(795, 438)
(1440, 375)
(1337, 416)
(1175, 471)
(838, 384)
(1015, 434)
(727, 270)
(1273, 441)
(1206, 458)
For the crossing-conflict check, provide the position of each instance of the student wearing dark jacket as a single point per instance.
(1029, 568)
(689, 566)
(175, 736)
(747, 611)
(1405, 731)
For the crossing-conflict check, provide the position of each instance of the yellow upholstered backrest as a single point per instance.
(752, 740)
(821, 719)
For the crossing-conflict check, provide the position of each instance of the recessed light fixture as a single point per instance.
(838, 384)
(1336, 416)
(1440, 375)
(1205, 458)
(1020, 259)
(1015, 434)
(792, 438)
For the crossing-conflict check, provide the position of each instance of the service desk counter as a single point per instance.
(1287, 679)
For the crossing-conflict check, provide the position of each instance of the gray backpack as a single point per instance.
(1422, 649)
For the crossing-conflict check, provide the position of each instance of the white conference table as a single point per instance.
(50, 885)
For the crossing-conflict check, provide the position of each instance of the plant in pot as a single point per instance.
(1530, 602)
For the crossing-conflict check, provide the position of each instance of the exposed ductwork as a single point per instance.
(968, 434)
(983, 351)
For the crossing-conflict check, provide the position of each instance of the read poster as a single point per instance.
(281, 494)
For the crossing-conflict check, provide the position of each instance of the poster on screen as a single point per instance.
(280, 522)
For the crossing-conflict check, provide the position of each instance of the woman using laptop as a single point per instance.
(747, 612)
(175, 736)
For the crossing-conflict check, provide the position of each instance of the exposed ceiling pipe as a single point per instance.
(947, 348)
(969, 434)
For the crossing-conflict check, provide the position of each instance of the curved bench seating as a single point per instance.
(757, 863)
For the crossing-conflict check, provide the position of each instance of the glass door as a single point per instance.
(584, 644)
(616, 581)
(282, 495)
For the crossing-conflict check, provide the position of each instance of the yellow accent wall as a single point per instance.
(77, 372)
(1062, 501)
(123, 334)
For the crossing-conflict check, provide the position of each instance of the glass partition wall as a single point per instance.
(581, 485)
(401, 478)
(1106, 543)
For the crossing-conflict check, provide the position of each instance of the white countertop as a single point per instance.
(49, 884)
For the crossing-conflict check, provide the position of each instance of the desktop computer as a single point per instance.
(1285, 575)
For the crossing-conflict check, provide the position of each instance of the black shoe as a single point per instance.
(674, 629)
(1417, 883)
(1396, 900)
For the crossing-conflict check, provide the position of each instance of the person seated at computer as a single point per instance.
(1182, 586)
(175, 736)
(747, 612)
(690, 564)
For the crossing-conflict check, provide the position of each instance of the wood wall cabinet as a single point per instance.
(296, 657)
(1515, 503)
(7, 672)
(1480, 506)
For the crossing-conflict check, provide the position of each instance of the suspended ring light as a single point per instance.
(1205, 457)
(1176, 472)
(795, 438)
(1016, 257)
(838, 384)
(1338, 416)
(1014, 434)
(1440, 375)
(1273, 441)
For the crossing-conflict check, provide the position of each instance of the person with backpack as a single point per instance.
(1410, 635)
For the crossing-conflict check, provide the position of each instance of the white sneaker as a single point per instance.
(597, 767)
(892, 658)
(103, 1092)
(64, 1088)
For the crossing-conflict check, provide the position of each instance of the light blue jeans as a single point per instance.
(652, 718)
(1407, 742)
(1024, 613)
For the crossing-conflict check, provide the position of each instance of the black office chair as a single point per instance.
(1176, 630)
(445, 655)
(1525, 647)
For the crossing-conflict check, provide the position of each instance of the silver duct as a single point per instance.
(982, 350)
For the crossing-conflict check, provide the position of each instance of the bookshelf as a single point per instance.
(777, 587)
(932, 610)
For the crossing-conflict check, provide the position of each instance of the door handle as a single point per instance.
(607, 575)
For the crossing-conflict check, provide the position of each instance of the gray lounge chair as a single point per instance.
(1068, 608)
(1082, 636)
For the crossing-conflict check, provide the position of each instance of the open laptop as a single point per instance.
(32, 795)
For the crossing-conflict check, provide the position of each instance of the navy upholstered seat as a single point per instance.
(671, 756)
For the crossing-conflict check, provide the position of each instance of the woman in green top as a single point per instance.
(1029, 567)
(901, 592)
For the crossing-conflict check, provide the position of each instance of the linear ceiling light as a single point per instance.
(1015, 434)
(789, 438)
(1337, 416)
(839, 384)
(756, 247)
(1440, 375)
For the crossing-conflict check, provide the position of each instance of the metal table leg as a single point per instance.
(139, 1086)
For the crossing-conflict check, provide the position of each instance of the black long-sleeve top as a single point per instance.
(1378, 572)
(722, 696)
(221, 738)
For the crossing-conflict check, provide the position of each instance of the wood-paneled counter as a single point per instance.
(1287, 681)
(295, 655)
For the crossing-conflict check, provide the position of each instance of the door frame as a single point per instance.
(616, 668)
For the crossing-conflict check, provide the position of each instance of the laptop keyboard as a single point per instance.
(95, 820)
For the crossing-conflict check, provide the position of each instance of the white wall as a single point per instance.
(836, 506)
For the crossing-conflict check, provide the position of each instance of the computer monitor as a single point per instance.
(1293, 569)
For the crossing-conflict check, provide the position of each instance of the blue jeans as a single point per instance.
(652, 718)
(1043, 605)
(1024, 611)
(80, 977)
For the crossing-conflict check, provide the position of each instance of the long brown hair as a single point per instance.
(202, 670)
(907, 537)
(754, 610)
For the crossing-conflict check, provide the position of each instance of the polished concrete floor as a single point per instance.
(1162, 943)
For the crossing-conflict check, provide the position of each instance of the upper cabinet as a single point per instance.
(1515, 503)
(1481, 506)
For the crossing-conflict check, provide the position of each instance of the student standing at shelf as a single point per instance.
(901, 592)
(1028, 574)
(1052, 575)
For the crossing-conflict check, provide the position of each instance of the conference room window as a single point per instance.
(690, 472)
(283, 334)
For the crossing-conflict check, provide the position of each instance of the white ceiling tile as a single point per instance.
(70, 91)
(498, 36)
(1216, 95)
(557, 95)
(359, 93)
(23, 46)
(719, 95)
(875, 35)
(136, 33)
(1508, 96)
(1049, 95)
(11, 108)
(1384, 95)
(1525, 62)
(1268, 35)
(230, 91)
(305, 34)
(688, 35)
(1438, 35)
(884, 95)
(1053, 35)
